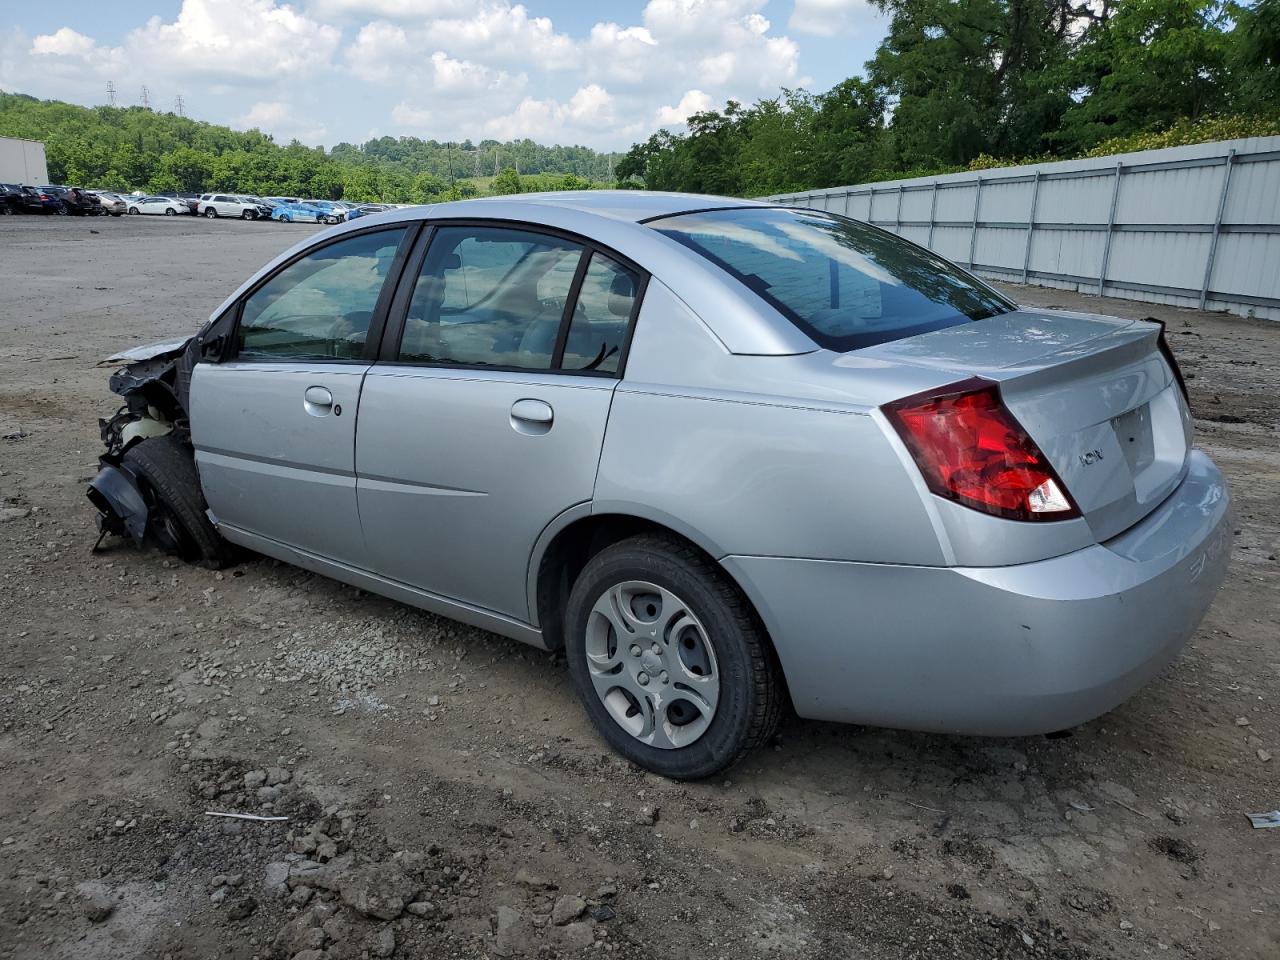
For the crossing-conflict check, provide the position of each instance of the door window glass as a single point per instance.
(598, 328)
(490, 296)
(319, 307)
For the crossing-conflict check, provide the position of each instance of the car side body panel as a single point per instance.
(756, 471)
(273, 464)
(454, 487)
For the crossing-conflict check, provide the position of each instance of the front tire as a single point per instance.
(669, 659)
(169, 483)
(211, 213)
(170, 212)
(133, 211)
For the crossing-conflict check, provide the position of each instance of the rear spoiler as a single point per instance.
(1162, 341)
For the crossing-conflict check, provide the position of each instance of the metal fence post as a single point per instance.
(848, 195)
(1111, 225)
(1217, 227)
(1031, 225)
(973, 235)
(933, 206)
(897, 217)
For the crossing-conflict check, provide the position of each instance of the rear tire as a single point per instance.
(707, 614)
(177, 523)
(211, 213)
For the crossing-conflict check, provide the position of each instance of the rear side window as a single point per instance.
(490, 296)
(846, 285)
(598, 328)
(319, 307)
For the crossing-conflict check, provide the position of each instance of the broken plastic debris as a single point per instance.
(1263, 820)
(244, 816)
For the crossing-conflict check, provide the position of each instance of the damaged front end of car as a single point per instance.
(154, 384)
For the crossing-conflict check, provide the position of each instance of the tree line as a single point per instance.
(127, 148)
(961, 84)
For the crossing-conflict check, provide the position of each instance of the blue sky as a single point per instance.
(603, 74)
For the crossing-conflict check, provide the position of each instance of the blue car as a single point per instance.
(299, 211)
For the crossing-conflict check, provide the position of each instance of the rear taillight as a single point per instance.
(972, 450)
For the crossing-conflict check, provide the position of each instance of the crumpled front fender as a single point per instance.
(114, 491)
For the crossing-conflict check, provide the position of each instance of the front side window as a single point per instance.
(319, 307)
(846, 285)
(490, 296)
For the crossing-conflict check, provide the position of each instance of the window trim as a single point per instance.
(393, 332)
(377, 323)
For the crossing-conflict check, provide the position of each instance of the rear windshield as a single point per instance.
(846, 285)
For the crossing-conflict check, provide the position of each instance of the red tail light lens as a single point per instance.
(972, 450)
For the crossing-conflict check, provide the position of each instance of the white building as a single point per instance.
(22, 161)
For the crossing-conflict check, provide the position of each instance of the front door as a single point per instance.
(274, 426)
(487, 418)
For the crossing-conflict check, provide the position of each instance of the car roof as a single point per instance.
(630, 205)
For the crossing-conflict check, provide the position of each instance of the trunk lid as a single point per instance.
(1095, 393)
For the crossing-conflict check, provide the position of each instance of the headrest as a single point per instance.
(622, 295)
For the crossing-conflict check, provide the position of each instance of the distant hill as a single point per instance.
(128, 148)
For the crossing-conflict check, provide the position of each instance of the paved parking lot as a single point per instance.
(136, 694)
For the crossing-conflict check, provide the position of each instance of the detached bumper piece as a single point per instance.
(121, 507)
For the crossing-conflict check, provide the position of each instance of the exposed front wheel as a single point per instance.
(170, 212)
(176, 520)
(211, 213)
(247, 215)
(133, 211)
(669, 659)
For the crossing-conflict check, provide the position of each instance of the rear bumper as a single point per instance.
(1003, 651)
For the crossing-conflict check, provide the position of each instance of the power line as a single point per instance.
(178, 105)
(111, 92)
(146, 97)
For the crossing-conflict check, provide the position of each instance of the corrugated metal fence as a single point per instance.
(1195, 226)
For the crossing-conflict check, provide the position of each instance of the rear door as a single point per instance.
(274, 426)
(485, 417)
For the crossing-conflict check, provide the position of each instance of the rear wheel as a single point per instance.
(669, 659)
(211, 213)
(61, 211)
(176, 522)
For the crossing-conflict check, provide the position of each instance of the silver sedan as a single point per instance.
(729, 457)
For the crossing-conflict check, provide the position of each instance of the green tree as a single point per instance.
(1148, 64)
(506, 182)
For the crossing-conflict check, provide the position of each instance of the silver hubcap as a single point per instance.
(652, 664)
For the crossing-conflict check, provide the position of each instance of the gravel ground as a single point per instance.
(445, 795)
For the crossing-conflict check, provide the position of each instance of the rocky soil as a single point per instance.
(429, 790)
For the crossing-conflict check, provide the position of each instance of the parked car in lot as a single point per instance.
(214, 205)
(15, 198)
(298, 211)
(169, 206)
(112, 203)
(725, 455)
(75, 201)
(49, 202)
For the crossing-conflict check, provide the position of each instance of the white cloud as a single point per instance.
(228, 41)
(694, 101)
(390, 9)
(63, 43)
(828, 17)
(448, 69)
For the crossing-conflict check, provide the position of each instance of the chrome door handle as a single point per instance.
(532, 417)
(317, 401)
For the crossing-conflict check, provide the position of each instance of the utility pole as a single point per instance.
(146, 97)
(111, 92)
(178, 105)
(451, 163)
